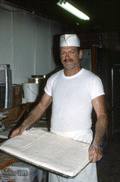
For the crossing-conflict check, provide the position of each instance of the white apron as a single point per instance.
(89, 174)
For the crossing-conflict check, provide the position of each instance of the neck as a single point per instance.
(71, 72)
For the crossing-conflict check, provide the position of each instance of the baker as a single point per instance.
(73, 91)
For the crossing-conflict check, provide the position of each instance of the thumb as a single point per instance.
(90, 156)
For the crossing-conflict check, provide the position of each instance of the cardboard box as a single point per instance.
(13, 114)
(17, 92)
(42, 175)
(19, 172)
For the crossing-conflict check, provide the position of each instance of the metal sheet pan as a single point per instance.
(57, 154)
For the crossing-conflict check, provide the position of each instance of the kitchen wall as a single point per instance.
(26, 42)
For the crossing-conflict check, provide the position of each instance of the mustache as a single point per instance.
(66, 60)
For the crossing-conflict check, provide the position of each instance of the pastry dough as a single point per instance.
(57, 154)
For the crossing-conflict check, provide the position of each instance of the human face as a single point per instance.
(70, 57)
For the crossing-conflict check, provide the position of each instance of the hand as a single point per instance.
(17, 131)
(95, 153)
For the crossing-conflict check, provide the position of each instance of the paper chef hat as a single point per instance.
(69, 40)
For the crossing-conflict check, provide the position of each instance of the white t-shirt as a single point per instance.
(72, 99)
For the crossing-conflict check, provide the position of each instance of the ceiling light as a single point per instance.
(67, 6)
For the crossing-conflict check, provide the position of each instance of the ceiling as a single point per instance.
(104, 14)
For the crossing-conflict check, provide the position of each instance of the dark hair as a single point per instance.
(78, 48)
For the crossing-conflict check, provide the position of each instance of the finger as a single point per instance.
(100, 158)
(21, 131)
(13, 134)
(94, 160)
(90, 157)
(93, 157)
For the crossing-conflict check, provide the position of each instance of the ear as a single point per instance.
(80, 54)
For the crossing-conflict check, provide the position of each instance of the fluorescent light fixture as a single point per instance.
(67, 6)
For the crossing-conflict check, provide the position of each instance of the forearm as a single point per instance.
(95, 153)
(100, 129)
(38, 111)
(34, 116)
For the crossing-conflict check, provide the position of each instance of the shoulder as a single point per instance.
(92, 80)
(89, 76)
(55, 76)
(93, 84)
(50, 82)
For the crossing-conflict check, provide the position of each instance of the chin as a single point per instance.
(69, 68)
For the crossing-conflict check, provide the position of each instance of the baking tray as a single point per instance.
(51, 152)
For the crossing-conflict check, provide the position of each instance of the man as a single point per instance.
(73, 91)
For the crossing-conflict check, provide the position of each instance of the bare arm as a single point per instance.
(100, 128)
(35, 115)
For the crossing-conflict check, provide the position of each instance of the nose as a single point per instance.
(67, 56)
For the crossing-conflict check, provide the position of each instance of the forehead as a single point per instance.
(68, 48)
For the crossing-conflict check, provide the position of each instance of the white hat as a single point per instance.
(69, 40)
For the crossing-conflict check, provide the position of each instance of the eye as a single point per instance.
(62, 53)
